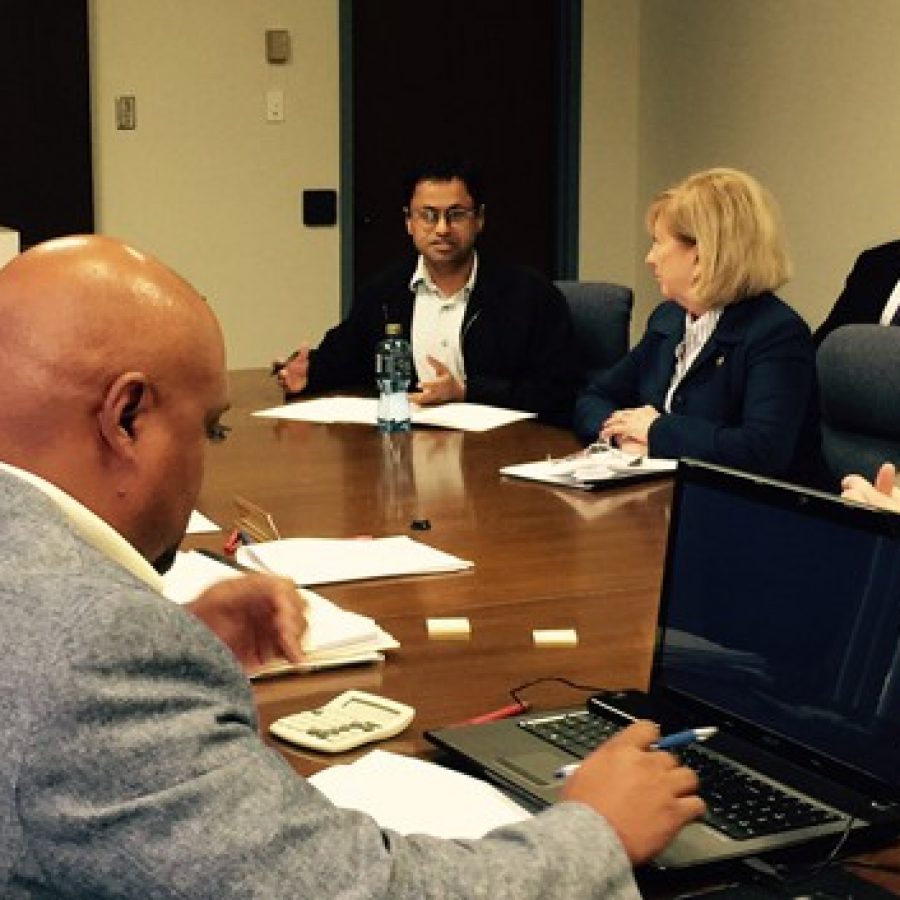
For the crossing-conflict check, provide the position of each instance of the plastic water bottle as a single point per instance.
(393, 373)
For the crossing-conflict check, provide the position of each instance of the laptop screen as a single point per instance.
(781, 610)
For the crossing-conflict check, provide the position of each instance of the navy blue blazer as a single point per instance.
(749, 400)
(870, 282)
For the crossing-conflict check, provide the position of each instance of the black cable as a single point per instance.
(514, 692)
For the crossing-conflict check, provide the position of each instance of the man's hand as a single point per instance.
(884, 493)
(444, 388)
(629, 425)
(293, 373)
(260, 618)
(644, 794)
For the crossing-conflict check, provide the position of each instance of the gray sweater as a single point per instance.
(131, 766)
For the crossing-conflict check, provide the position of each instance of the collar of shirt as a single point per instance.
(99, 534)
(889, 312)
(696, 333)
(422, 277)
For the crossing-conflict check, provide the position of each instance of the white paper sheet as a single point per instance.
(326, 560)
(413, 796)
(589, 471)
(333, 635)
(199, 524)
(363, 411)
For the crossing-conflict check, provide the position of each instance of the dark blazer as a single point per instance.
(869, 284)
(517, 340)
(748, 401)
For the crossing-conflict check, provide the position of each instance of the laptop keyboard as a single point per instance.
(737, 803)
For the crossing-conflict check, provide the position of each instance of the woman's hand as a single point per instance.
(629, 427)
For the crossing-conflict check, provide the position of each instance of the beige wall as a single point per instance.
(608, 191)
(205, 182)
(803, 93)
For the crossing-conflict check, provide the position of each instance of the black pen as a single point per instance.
(278, 365)
(225, 560)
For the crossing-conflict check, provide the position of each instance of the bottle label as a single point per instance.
(393, 411)
(393, 373)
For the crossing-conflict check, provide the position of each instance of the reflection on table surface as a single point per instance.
(544, 557)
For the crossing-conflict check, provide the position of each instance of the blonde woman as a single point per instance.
(725, 371)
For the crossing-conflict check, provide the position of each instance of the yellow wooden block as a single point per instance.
(555, 637)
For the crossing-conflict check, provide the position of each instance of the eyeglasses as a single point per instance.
(429, 216)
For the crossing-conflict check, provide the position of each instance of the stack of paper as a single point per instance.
(326, 560)
(413, 796)
(364, 411)
(590, 470)
(334, 636)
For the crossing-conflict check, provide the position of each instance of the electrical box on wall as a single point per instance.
(319, 207)
(278, 46)
(126, 112)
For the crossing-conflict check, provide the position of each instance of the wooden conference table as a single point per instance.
(544, 558)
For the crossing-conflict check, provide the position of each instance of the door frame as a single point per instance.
(568, 143)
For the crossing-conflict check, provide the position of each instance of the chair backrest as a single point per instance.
(601, 316)
(858, 367)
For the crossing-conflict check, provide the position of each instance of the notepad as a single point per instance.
(413, 796)
(364, 411)
(333, 637)
(313, 561)
(590, 472)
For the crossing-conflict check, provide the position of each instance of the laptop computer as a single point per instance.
(779, 624)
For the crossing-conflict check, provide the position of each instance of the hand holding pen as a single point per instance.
(668, 742)
(646, 797)
(293, 373)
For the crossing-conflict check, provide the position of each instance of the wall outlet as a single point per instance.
(275, 106)
(126, 119)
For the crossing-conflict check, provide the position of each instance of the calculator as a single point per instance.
(349, 720)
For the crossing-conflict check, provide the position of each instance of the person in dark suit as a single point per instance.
(725, 371)
(480, 330)
(871, 294)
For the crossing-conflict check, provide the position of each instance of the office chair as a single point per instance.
(858, 368)
(601, 315)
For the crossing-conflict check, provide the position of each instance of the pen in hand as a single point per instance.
(279, 364)
(668, 742)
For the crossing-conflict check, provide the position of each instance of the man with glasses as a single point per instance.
(480, 330)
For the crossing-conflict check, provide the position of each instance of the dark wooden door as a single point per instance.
(479, 79)
(46, 185)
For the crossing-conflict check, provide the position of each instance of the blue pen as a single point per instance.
(669, 742)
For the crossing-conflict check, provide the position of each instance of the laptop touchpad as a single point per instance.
(538, 767)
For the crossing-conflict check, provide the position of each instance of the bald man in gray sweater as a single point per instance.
(130, 760)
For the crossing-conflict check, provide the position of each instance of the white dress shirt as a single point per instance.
(890, 309)
(437, 323)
